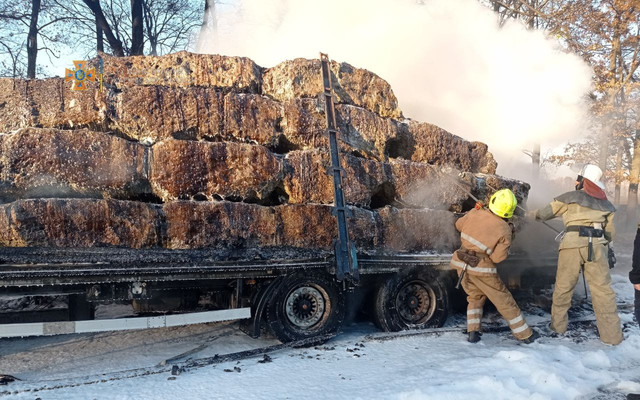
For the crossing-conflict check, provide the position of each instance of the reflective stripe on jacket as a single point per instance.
(486, 234)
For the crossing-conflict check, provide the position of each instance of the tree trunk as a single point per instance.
(137, 32)
(619, 173)
(99, 38)
(114, 43)
(634, 178)
(612, 117)
(32, 40)
(149, 26)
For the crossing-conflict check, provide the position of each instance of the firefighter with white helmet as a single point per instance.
(588, 219)
(486, 238)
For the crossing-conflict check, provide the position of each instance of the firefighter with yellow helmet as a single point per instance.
(486, 237)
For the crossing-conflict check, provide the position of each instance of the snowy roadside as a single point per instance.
(417, 367)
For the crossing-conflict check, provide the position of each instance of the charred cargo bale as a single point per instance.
(192, 225)
(223, 225)
(371, 134)
(48, 103)
(195, 225)
(308, 179)
(183, 69)
(420, 185)
(253, 118)
(210, 171)
(314, 226)
(482, 160)
(37, 162)
(240, 225)
(304, 123)
(215, 98)
(154, 113)
(486, 185)
(434, 145)
(418, 230)
(80, 223)
(301, 78)
(361, 131)
(372, 184)
(304, 126)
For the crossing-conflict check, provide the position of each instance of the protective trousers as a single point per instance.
(481, 287)
(637, 306)
(570, 262)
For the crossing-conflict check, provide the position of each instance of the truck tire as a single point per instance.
(414, 300)
(304, 306)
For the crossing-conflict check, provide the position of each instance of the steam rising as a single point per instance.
(447, 61)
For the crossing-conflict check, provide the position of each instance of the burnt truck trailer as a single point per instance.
(183, 222)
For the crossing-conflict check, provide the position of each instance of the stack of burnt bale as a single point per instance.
(191, 151)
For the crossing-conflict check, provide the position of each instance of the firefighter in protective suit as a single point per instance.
(588, 219)
(486, 238)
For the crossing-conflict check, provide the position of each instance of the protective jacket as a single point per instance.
(488, 235)
(579, 209)
(634, 275)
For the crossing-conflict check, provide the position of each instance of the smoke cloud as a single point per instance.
(447, 60)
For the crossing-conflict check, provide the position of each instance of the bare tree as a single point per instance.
(160, 26)
(114, 42)
(32, 39)
(137, 32)
(12, 43)
(170, 24)
(535, 14)
(34, 25)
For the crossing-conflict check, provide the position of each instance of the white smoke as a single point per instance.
(447, 60)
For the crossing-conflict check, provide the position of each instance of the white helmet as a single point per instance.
(593, 173)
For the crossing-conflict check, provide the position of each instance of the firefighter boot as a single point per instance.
(474, 337)
(534, 335)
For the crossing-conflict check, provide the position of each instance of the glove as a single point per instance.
(532, 214)
(469, 257)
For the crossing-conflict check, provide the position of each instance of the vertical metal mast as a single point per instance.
(346, 259)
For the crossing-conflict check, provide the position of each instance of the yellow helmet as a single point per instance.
(503, 203)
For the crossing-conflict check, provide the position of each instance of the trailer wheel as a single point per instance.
(414, 300)
(305, 306)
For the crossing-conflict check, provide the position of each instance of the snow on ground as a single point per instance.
(351, 366)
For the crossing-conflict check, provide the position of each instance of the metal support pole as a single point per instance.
(346, 259)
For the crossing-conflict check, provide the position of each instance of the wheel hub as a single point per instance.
(305, 306)
(414, 302)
